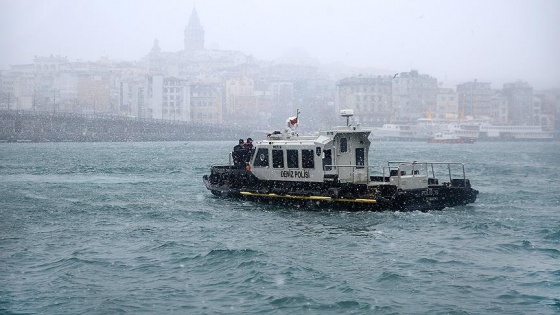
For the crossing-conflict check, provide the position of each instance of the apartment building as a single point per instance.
(475, 99)
(447, 105)
(369, 97)
(414, 96)
(520, 103)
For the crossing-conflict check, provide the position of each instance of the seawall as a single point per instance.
(29, 126)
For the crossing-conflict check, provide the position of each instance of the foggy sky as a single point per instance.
(454, 41)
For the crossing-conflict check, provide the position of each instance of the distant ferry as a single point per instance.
(450, 136)
(491, 132)
(424, 130)
(468, 131)
(393, 132)
(332, 169)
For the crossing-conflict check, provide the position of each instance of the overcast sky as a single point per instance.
(494, 41)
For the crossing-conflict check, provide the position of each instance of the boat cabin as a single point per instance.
(340, 155)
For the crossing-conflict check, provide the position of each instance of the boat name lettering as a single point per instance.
(430, 192)
(295, 174)
(277, 147)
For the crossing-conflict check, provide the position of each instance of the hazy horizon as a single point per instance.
(454, 41)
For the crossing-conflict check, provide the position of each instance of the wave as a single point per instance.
(431, 261)
(552, 235)
(528, 246)
(514, 297)
(224, 259)
(387, 276)
(231, 253)
(300, 303)
(56, 266)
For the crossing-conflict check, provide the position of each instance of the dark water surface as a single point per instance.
(128, 228)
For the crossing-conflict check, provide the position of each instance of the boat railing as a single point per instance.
(397, 169)
(416, 173)
(431, 168)
(378, 173)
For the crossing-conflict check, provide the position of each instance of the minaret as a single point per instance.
(194, 33)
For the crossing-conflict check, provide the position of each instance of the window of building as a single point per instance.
(293, 158)
(278, 158)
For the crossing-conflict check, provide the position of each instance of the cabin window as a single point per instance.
(293, 158)
(278, 158)
(360, 157)
(343, 145)
(307, 159)
(261, 158)
(327, 160)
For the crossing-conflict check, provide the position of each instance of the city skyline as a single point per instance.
(453, 41)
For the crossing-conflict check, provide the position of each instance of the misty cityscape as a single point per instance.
(199, 85)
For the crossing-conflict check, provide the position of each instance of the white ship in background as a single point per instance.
(397, 132)
(472, 129)
(423, 130)
(489, 132)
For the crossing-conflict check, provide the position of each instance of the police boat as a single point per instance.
(331, 169)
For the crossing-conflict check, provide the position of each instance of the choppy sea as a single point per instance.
(128, 228)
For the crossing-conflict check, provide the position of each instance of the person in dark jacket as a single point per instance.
(249, 149)
(239, 153)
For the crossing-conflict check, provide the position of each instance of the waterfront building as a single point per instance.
(17, 91)
(282, 98)
(369, 97)
(499, 108)
(93, 94)
(447, 105)
(6, 88)
(546, 104)
(475, 99)
(240, 98)
(316, 98)
(206, 103)
(133, 96)
(414, 96)
(520, 101)
(169, 99)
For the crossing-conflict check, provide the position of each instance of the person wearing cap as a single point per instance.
(249, 143)
(249, 149)
(239, 153)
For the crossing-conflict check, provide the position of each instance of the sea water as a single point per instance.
(129, 228)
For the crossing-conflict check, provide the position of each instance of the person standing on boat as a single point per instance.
(249, 143)
(239, 153)
(248, 149)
